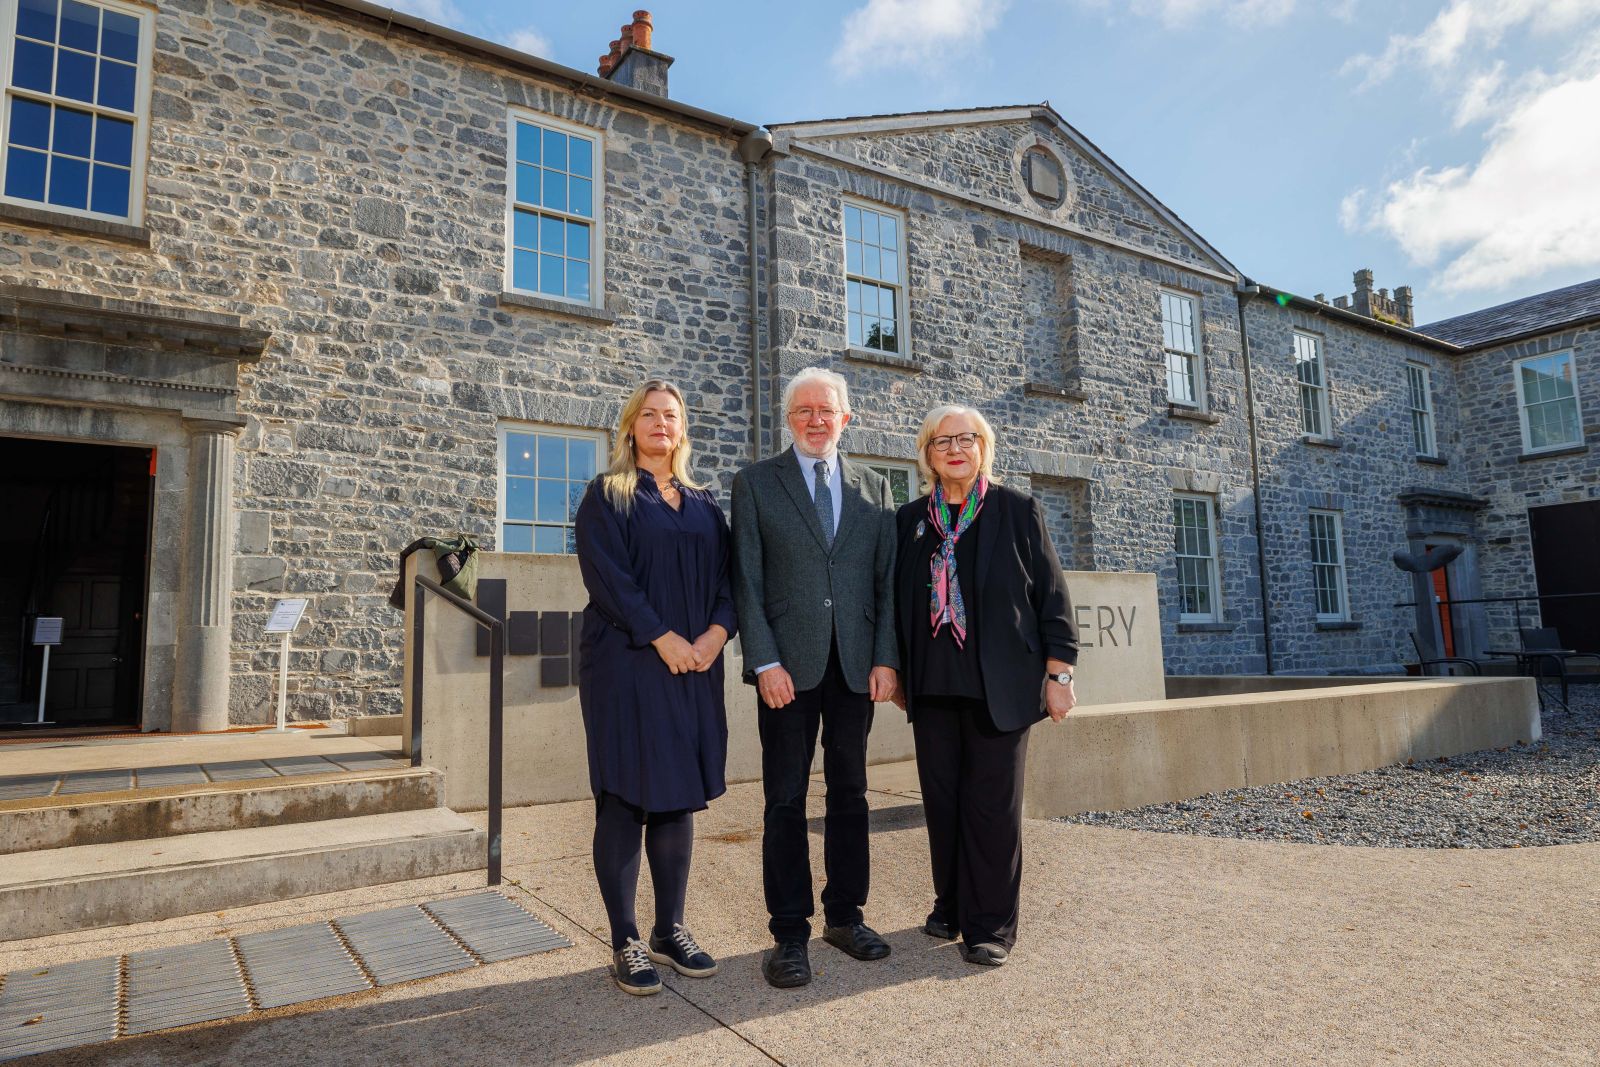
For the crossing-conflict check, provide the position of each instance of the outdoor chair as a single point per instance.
(1542, 646)
(1453, 661)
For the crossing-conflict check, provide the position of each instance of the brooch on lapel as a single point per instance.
(922, 528)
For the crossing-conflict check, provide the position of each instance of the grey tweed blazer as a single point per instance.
(793, 593)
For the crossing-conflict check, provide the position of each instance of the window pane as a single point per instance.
(891, 338)
(552, 501)
(869, 227)
(80, 26)
(578, 279)
(890, 267)
(577, 241)
(886, 305)
(852, 223)
(37, 19)
(525, 270)
(555, 189)
(116, 85)
(581, 191)
(852, 257)
(30, 123)
(581, 152)
(119, 36)
(519, 498)
(551, 235)
(549, 539)
(527, 143)
(72, 132)
(69, 182)
(31, 69)
(575, 491)
(555, 150)
(527, 184)
(855, 329)
(553, 275)
(109, 194)
(113, 141)
(521, 448)
(524, 229)
(516, 538)
(581, 459)
(888, 231)
(869, 262)
(75, 76)
(25, 174)
(552, 456)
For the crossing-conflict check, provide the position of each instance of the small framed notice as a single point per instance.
(286, 615)
(47, 630)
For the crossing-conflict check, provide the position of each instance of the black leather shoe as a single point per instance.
(786, 965)
(986, 954)
(860, 941)
(937, 927)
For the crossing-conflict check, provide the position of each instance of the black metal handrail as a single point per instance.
(497, 710)
(1515, 600)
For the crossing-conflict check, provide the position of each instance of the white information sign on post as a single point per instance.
(47, 632)
(286, 615)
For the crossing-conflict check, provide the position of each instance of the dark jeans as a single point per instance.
(971, 775)
(788, 740)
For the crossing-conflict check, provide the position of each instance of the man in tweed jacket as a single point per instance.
(813, 573)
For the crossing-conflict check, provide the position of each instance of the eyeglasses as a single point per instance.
(806, 414)
(963, 441)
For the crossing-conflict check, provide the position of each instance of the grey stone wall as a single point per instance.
(346, 190)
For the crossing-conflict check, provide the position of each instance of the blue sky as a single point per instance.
(1453, 145)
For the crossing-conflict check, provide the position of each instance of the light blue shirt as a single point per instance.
(808, 471)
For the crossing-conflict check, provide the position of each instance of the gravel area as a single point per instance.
(1546, 793)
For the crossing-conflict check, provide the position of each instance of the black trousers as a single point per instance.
(971, 775)
(788, 740)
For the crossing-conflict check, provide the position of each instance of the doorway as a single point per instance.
(1564, 562)
(76, 540)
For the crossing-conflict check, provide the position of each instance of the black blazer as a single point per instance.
(1019, 594)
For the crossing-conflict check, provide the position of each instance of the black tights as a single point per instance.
(669, 843)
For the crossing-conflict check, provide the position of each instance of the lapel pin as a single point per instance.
(922, 528)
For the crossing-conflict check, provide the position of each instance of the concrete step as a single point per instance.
(146, 813)
(90, 886)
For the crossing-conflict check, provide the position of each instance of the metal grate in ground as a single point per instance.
(74, 783)
(98, 1000)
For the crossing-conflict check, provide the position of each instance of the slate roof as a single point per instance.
(1544, 313)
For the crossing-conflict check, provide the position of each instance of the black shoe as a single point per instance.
(984, 954)
(787, 965)
(633, 973)
(937, 927)
(681, 953)
(858, 940)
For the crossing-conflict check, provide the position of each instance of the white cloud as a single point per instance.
(1467, 25)
(884, 33)
(438, 12)
(1179, 13)
(531, 41)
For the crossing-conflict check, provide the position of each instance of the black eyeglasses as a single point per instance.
(805, 414)
(963, 441)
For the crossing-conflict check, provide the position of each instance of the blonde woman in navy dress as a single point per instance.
(653, 549)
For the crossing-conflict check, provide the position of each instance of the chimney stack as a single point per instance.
(632, 61)
(1377, 303)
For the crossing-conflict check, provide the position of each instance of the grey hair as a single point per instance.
(821, 376)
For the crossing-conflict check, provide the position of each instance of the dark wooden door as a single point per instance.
(1564, 537)
(86, 669)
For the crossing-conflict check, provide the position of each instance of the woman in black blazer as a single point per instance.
(987, 649)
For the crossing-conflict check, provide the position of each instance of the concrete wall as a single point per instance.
(545, 752)
(1126, 755)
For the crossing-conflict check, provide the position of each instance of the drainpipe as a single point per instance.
(753, 149)
(1245, 291)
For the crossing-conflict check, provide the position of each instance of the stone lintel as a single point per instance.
(84, 316)
(1055, 392)
(1192, 414)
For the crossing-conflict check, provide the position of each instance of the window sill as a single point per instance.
(557, 307)
(1054, 392)
(1567, 450)
(1434, 461)
(881, 359)
(1338, 624)
(55, 220)
(1207, 627)
(1192, 414)
(1321, 442)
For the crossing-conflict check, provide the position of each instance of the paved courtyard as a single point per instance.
(1136, 948)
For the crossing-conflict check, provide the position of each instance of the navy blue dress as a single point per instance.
(657, 740)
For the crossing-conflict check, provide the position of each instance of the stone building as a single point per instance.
(290, 284)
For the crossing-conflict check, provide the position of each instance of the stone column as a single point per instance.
(200, 694)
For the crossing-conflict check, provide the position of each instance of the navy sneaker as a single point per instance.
(634, 972)
(682, 954)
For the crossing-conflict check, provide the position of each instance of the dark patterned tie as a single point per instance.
(823, 497)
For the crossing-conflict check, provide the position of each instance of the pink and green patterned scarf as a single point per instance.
(946, 602)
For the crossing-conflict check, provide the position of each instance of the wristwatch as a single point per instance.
(1064, 678)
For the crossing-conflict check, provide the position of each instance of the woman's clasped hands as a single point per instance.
(681, 657)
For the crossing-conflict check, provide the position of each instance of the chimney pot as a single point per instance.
(1364, 279)
(605, 65)
(627, 37)
(643, 29)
